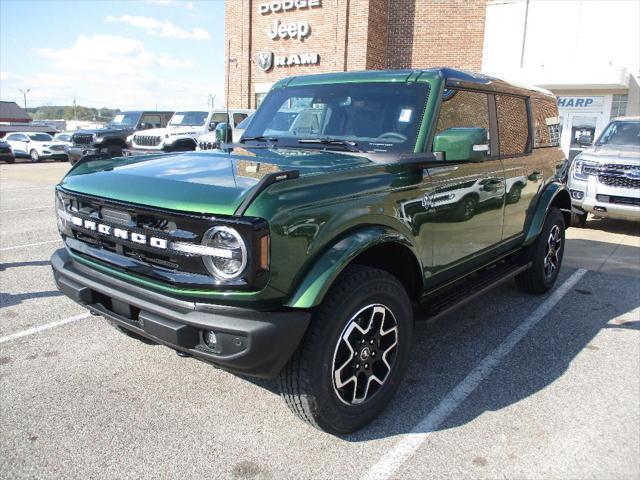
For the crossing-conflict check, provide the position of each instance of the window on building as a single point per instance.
(260, 98)
(619, 106)
(546, 122)
(513, 125)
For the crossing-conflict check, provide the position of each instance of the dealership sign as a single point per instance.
(295, 30)
(267, 60)
(581, 103)
(277, 6)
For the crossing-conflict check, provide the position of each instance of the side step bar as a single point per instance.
(442, 302)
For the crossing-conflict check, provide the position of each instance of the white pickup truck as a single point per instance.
(183, 130)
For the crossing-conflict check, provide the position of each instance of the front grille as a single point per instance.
(82, 138)
(147, 140)
(618, 181)
(635, 202)
(57, 148)
(207, 145)
(145, 259)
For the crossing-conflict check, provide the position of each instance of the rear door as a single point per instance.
(467, 196)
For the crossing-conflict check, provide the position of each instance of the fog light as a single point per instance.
(577, 194)
(210, 339)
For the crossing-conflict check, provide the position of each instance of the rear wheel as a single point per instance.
(466, 209)
(35, 157)
(545, 255)
(354, 354)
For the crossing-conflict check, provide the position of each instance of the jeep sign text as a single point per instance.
(297, 30)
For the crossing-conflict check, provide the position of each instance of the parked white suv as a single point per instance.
(239, 121)
(182, 131)
(605, 180)
(36, 145)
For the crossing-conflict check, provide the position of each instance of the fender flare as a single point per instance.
(326, 268)
(554, 193)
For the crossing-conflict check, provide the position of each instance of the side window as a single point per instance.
(513, 125)
(461, 109)
(11, 138)
(152, 120)
(217, 118)
(546, 122)
(238, 117)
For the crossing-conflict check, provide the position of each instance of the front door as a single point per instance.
(466, 196)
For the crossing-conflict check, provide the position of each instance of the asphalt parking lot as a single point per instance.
(510, 386)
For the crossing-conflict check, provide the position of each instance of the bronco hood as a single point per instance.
(200, 182)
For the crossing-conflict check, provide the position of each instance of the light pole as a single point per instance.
(24, 95)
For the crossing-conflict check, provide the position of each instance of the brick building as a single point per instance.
(267, 40)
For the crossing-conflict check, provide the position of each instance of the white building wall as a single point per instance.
(586, 49)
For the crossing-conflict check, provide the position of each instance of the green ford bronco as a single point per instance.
(353, 201)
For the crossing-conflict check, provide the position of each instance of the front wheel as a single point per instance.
(35, 157)
(578, 220)
(545, 255)
(354, 355)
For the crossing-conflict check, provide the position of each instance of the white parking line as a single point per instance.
(47, 326)
(25, 209)
(403, 449)
(29, 245)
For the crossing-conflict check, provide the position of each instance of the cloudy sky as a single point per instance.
(117, 54)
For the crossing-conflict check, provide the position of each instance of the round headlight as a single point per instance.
(233, 258)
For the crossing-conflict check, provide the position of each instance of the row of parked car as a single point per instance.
(132, 133)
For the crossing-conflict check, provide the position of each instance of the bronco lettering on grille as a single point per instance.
(120, 233)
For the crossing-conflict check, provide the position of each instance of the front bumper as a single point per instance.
(604, 201)
(250, 342)
(75, 153)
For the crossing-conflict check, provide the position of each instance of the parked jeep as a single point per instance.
(605, 179)
(291, 255)
(111, 140)
(183, 130)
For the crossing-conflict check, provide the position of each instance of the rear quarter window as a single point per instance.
(513, 125)
(546, 122)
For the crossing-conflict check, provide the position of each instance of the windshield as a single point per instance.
(125, 120)
(40, 137)
(621, 133)
(379, 117)
(188, 119)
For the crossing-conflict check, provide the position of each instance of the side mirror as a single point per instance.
(223, 133)
(145, 126)
(585, 140)
(468, 143)
(212, 126)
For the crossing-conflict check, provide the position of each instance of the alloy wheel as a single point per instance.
(365, 354)
(552, 252)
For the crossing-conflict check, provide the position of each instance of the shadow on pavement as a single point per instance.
(36, 263)
(10, 299)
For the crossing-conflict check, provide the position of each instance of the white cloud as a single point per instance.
(187, 5)
(160, 28)
(4, 76)
(114, 71)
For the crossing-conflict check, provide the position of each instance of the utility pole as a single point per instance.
(24, 96)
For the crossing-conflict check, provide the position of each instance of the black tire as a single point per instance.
(514, 195)
(578, 220)
(308, 382)
(33, 154)
(466, 209)
(545, 263)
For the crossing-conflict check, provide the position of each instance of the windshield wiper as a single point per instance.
(258, 138)
(350, 146)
